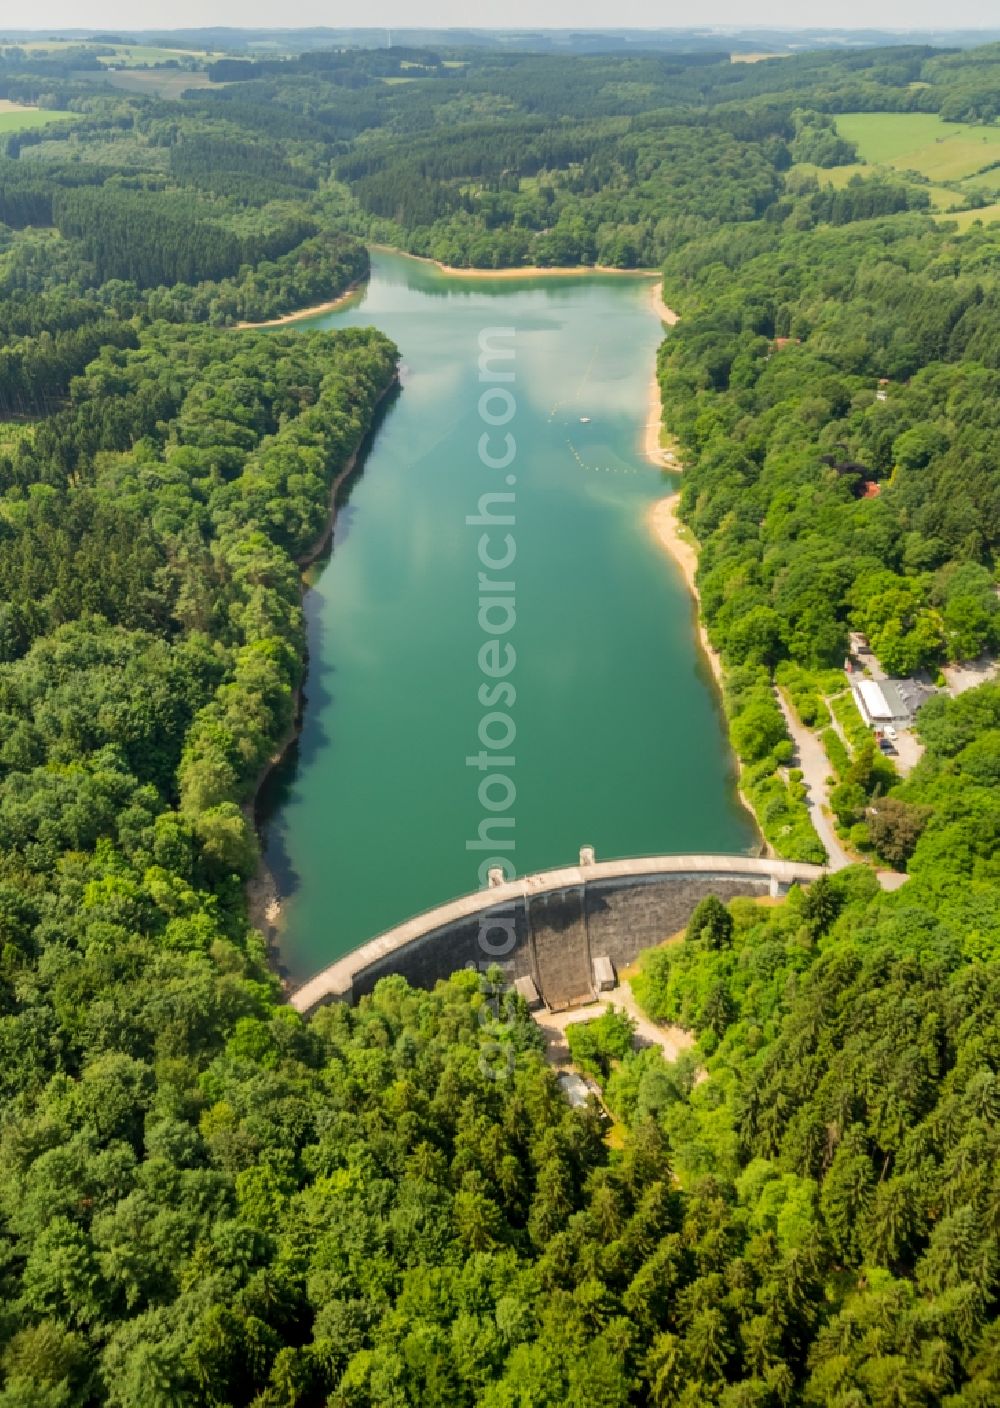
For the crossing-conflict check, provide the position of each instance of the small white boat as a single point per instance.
(585, 420)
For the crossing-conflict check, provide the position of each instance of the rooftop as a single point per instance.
(886, 701)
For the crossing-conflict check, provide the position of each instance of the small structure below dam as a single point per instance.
(552, 928)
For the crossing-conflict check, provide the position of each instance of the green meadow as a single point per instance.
(14, 117)
(921, 142)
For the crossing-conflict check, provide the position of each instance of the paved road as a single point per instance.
(810, 756)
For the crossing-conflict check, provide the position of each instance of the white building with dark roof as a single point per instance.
(895, 702)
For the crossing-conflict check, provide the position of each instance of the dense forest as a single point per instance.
(207, 1200)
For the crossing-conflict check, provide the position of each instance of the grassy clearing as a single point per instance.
(845, 711)
(943, 198)
(15, 117)
(988, 214)
(835, 176)
(833, 746)
(921, 142)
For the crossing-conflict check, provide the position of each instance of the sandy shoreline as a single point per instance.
(665, 314)
(312, 312)
(651, 448)
(661, 517)
(522, 271)
(665, 526)
(525, 271)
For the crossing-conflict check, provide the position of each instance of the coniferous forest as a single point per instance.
(207, 1200)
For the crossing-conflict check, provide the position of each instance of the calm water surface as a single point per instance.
(619, 745)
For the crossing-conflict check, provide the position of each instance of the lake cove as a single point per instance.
(503, 664)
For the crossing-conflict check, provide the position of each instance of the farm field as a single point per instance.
(151, 54)
(921, 142)
(16, 117)
(42, 46)
(123, 53)
(153, 82)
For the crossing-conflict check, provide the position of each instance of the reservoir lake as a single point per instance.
(620, 742)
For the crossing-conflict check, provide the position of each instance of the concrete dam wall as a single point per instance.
(550, 927)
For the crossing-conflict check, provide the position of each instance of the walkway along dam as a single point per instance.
(551, 927)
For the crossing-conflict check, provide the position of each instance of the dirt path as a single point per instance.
(811, 758)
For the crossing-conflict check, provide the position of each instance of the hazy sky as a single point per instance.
(575, 14)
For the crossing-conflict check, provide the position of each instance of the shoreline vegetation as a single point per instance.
(668, 532)
(314, 311)
(666, 528)
(661, 516)
(264, 898)
(522, 271)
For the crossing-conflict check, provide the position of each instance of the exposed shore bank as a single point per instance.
(665, 526)
(652, 450)
(263, 895)
(522, 271)
(311, 312)
(667, 530)
(529, 271)
(665, 314)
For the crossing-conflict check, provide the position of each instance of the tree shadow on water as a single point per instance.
(317, 701)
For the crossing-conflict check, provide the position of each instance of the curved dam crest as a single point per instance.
(551, 927)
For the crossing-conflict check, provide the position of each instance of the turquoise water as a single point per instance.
(619, 741)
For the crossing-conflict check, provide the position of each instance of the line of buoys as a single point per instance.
(598, 468)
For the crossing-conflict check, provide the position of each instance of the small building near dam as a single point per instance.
(895, 702)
